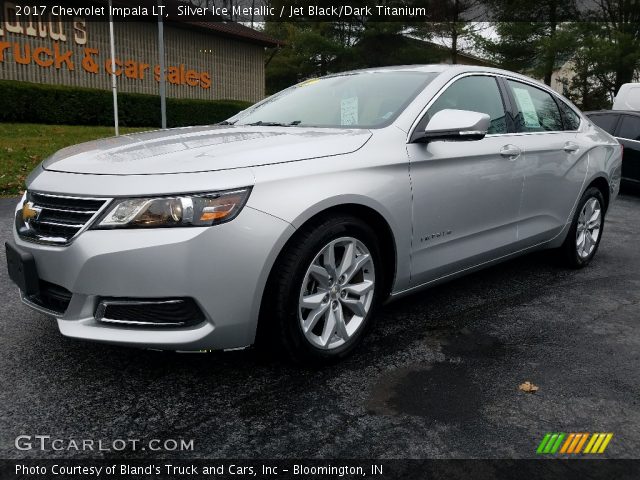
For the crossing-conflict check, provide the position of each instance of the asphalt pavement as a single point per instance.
(437, 377)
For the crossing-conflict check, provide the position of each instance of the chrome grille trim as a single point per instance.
(66, 210)
(53, 214)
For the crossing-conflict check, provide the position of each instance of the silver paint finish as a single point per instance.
(493, 198)
(457, 122)
(200, 149)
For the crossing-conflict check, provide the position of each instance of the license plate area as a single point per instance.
(22, 270)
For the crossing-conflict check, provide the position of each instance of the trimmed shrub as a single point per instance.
(61, 105)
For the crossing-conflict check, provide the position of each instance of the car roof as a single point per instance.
(441, 68)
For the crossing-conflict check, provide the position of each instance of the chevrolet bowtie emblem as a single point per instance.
(29, 212)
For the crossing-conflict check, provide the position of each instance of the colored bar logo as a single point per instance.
(573, 443)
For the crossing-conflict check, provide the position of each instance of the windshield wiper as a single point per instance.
(260, 123)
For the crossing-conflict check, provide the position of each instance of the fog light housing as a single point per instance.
(152, 312)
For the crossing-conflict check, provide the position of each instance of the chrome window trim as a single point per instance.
(544, 88)
(51, 240)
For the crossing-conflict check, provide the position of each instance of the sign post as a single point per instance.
(114, 85)
(163, 85)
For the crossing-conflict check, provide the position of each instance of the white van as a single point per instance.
(628, 97)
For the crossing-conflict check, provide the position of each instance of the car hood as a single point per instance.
(199, 149)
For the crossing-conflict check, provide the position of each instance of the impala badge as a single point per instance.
(433, 236)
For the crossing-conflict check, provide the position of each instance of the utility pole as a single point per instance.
(114, 84)
(163, 83)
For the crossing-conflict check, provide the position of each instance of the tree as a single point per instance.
(315, 48)
(531, 41)
(619, 28)
(456, 21)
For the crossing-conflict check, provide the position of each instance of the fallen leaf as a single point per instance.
(528, 387)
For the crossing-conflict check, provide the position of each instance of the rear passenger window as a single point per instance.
(606, 122)
(475, 93)
(630, 127)
(537, 110)
(570, 118)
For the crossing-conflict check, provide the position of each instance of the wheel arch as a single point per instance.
(602, 184)
(373, 217)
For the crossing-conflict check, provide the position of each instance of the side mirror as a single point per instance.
(452, 124)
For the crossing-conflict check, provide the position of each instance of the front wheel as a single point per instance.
(585, 233)
(326, 288)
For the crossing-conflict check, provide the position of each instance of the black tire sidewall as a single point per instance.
(569, 248)
(312, 243)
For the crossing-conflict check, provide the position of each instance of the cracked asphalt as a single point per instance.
(437, 377)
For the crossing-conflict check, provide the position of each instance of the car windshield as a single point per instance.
(357, 100)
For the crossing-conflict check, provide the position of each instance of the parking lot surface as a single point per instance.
(437, 377)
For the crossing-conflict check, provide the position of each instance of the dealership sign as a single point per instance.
(86, 59)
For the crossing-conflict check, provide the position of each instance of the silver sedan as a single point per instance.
(290, 223)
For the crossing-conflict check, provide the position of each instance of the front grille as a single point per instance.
(158, 312)
(55, 219)
(51, 297)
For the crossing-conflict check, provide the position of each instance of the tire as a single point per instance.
(307, 296)
(576, 253)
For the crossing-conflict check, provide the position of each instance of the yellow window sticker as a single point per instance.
(311, 81)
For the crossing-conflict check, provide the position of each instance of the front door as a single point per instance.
(466, 194)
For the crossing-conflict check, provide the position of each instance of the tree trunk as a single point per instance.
(454, 45)
(550, 54)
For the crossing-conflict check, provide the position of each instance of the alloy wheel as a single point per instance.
(337, 293)
(588, 229)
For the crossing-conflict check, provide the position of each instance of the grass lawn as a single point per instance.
(24, 145)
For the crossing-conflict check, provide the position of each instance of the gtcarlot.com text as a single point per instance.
(49, 443)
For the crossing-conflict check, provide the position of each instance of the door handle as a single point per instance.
(510, 151)
(570, 147)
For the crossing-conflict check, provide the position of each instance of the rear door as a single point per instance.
(555, 161)
(628, 134)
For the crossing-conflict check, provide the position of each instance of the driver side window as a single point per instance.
(475, 93)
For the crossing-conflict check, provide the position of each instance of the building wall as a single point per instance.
(200, 64)
(562, 75)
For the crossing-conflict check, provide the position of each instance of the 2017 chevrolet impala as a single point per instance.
(293, 220)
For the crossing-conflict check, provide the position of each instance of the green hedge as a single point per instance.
(55, 104)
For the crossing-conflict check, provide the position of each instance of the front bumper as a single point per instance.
(224, 268)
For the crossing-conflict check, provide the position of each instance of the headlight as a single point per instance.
(198, 210)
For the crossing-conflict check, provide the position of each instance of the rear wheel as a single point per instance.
(325, 289)
(585, 233)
